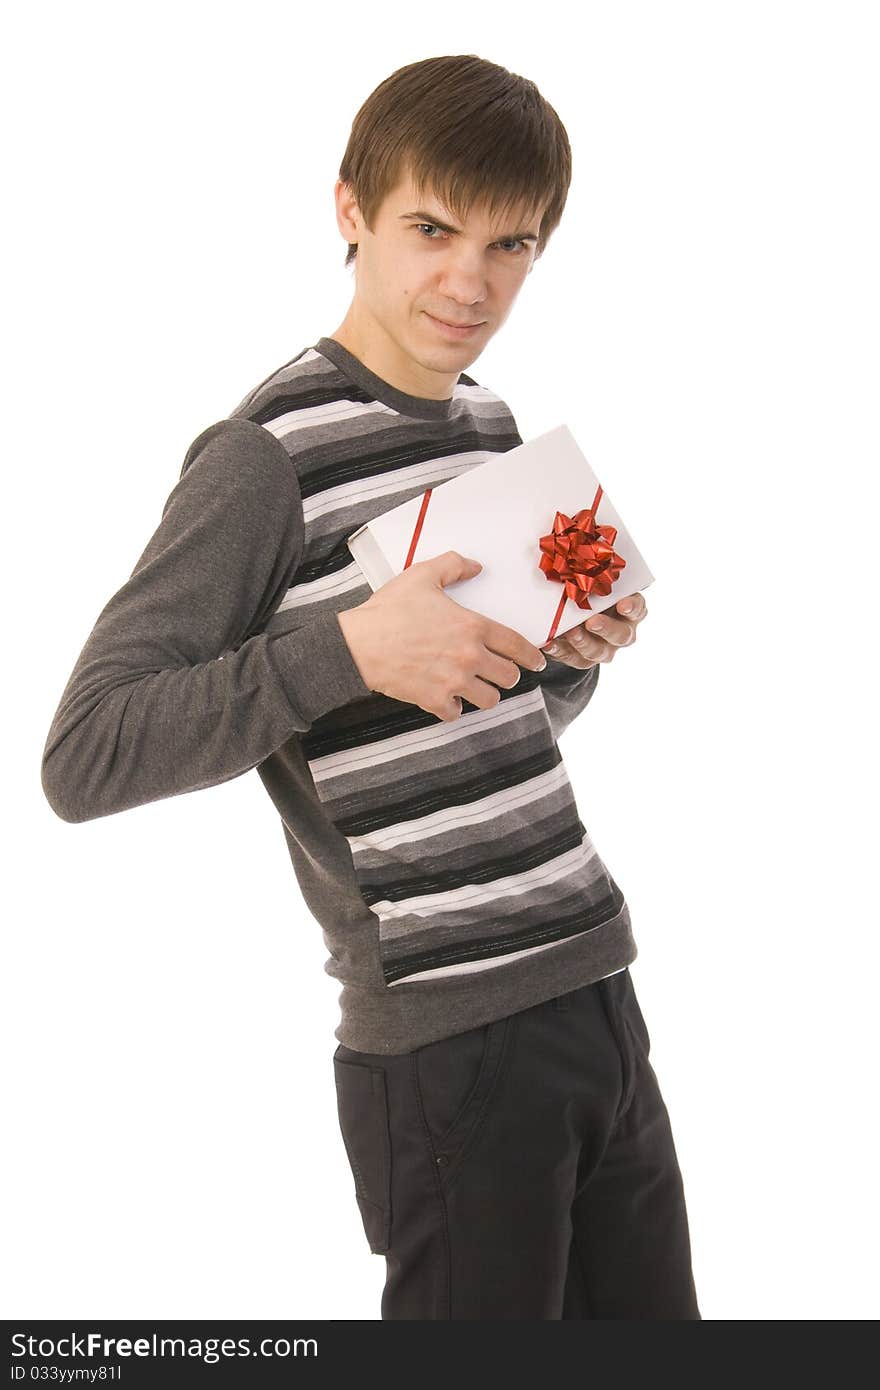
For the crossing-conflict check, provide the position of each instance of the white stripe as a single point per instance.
(414, 477)
(326, 587)
(403, 745)
(306, 417)
(477, 894)
(488, 808)
(465, 967)
(309, 417)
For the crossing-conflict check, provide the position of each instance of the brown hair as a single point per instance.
(466, 129)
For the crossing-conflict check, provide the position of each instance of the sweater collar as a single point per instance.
(423, 407)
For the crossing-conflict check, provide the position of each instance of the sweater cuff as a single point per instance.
(317, 668)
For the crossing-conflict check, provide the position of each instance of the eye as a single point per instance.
(519, 244)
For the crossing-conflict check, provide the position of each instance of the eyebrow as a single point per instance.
(435, 222)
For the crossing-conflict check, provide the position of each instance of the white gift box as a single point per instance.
(496, 513)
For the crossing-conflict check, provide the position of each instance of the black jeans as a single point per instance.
(524, 1169)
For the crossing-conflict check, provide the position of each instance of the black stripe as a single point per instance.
(380, 717)
(482, 949)
(327, 465)
(322, 567)
(502, 867)
(452, 793)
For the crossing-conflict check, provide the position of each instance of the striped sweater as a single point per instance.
(445, 861)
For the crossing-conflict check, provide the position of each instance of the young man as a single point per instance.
(511, 1152)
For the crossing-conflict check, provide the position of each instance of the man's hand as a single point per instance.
(597, 639)
(411, 641)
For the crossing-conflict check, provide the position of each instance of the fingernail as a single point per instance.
(627, 607)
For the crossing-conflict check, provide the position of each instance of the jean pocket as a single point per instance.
(362, 1106)
(455, 1079)
(633, 1014)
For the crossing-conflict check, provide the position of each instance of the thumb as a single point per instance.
(451, 566)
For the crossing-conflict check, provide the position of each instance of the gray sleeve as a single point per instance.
(567, 691)
(177, 687)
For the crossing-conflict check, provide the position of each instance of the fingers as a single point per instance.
(616, 632)
(560, 649)
(507, 642)
(637, 610)
(590, 645)
(597, 638)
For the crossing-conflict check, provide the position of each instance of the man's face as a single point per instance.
(421, 268)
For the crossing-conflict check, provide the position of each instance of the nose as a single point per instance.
(465, 291)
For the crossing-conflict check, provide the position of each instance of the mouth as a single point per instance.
(455, 330)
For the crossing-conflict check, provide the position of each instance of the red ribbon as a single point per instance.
(418, 529)
(578, 553)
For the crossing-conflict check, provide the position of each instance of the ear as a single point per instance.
(347, 211)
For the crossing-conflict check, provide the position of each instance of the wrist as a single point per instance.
(351, 622)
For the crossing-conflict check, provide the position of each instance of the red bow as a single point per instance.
(579, 554)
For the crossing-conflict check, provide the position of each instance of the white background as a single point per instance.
(706, 322)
